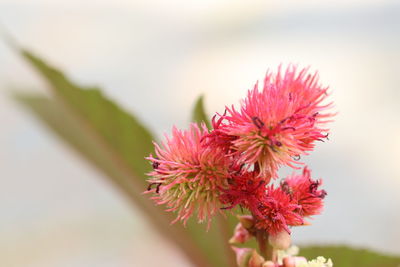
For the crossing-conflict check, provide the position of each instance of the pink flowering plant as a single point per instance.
(218, 179)
(233, 167)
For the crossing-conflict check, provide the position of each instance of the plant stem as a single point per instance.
(223, 224)
(266, 250)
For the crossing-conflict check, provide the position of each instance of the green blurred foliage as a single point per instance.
(343, 256)
(199, 114)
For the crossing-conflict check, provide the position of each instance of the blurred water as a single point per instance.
(154, 60)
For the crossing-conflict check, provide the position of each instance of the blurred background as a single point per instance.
(154, 58)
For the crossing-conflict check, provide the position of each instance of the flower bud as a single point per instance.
(240, 235)
(242, 256)
(280, 240)
(256, 260)
(289, 262)
(269, 264)
(300, 260)
(246, 220)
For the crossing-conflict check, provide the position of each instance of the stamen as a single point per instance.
(155, 165)
(296, 157)
(257, 167)
(259, 185)
(282, 121)
(314, 186)
(257, 122)
(157, 188)
(287, 128)
(323, 194)
(286, 188)
(273, 148)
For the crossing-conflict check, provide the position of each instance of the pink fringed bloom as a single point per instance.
(272, 208)
(275, 209)
(187, 175)
(245, 189)
(276, 212)
(277, 124)
(202, 172)
(304, 192)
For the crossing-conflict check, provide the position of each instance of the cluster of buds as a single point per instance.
(285, 254)
(247, 257)
(203, 172)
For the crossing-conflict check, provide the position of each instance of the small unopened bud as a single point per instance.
(280, 240)
(246, 220)
(256, 260)
(269, 264)
(300, 260)
(242, 256)
(289, 262)
(240, 235)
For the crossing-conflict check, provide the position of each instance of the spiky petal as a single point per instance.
(187, 175)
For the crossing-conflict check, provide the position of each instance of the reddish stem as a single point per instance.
(266, 250)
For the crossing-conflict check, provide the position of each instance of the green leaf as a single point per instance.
(344, 256)
(121, 131)
(199, 115)
(116, 143)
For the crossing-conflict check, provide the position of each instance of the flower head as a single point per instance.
(245, 189)
(276, 212)
(304, 192)
(187, 175)
(272, 208)
(277, 124)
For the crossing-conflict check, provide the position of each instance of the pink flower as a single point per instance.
(201, 172)
(304, 192)
(187, 175)
(275, 125)
(276, 212)
(240, 235)
(272, 208)
(245, 189)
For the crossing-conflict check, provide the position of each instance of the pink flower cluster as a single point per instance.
(206, 171)
(275, 208)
